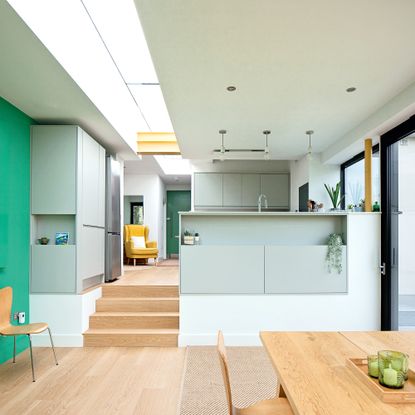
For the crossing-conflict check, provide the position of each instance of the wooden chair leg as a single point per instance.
(134, 261)
(31, 358)
(14, 349)
(53, 347)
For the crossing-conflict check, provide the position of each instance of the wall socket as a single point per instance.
(20, 316)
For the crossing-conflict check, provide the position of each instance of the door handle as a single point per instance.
(177, 236)
(167, 218)
(382, 268)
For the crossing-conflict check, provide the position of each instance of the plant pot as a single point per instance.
(43, 241)
(188, 240)
(358, 209)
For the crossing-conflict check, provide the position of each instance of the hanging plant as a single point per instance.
(334, 255)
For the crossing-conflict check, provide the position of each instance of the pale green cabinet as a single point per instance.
(208, 189)
(276, 187)
(67, 195)
(232, 190)
(251, 189)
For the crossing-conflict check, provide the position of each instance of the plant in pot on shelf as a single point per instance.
(334, 194)
(350, 207)
(360, 207)
(334, 257)
(44, 240)
(188, 238)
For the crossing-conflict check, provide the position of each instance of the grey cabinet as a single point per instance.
(53, 169)
(251, 189)
(67, 195)
(93, 183)
(208, 189)
(241, 190)
(232, 190)
(276, 187)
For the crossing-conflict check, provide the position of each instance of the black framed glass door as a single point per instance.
(390, 205)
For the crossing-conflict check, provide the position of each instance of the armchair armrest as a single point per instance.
(151, 244)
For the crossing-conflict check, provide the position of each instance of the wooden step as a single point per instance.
(137, 304)
(131, 338)
(132, 291)
(134, 320)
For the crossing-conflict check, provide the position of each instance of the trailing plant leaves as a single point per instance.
(334, 255)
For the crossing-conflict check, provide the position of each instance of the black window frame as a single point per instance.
(348, 163)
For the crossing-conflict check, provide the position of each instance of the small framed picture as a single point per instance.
(61, 238)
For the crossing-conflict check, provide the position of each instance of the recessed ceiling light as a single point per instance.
(231, 88)
(351, 89)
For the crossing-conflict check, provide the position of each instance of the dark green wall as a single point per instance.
(14, 213)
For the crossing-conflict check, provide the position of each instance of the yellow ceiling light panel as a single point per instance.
(157, 144)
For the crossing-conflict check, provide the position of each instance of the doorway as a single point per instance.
(398, 227)
(177, 201)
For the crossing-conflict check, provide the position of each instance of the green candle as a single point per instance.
(390, 376)
(374, 369)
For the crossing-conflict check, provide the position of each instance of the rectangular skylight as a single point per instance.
(174, 165)
(66, 29)
(151, 101)
(118, 23)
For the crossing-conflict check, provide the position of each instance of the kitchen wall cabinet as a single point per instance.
(68, 195)
(241, 190)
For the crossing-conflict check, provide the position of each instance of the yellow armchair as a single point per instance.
(142, 254)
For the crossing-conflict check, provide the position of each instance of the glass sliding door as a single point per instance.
(398, 227)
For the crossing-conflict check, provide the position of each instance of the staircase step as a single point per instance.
(132, 291)
(131, 337)
(137, 304)
(134, 320)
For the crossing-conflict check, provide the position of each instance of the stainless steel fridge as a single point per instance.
(112, 220)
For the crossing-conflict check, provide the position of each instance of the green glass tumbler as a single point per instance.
(393, 368)
(373, 366)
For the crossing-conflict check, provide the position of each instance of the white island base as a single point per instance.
(265, 293)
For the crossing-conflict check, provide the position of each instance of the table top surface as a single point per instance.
(311, 368)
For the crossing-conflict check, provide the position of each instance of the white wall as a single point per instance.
(151, 187)
(316, 174)
(300, 174)
(319, 174)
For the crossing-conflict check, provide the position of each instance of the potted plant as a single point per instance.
(44, 240)
(360, 207)
(335, 197)
(350, 207)
(334, 257)
(188, 238)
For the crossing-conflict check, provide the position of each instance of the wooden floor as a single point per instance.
(167, 273)
(89, 381)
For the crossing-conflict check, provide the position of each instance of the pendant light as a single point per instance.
(310, 147)
(222, 146)
(266, 149)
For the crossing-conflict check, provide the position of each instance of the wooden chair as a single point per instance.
(276, 406)
(6, 329)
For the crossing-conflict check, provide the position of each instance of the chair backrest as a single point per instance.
(225, 371)
(135, 230)
(6, 298)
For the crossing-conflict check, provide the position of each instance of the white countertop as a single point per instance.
(254, 213)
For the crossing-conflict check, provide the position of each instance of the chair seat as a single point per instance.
(144, 251)
(276, 406)
(34, 328)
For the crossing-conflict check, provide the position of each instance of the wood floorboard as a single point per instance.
(89, 381)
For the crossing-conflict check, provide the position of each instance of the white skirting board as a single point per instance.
(66, 314)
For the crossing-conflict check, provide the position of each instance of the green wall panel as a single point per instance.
(14, 213)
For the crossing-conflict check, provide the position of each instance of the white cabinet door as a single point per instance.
(276, 187)
(251, 189)
(208, 189)
(101, 188)
(232, 190)
(90, 181)
(91, 252)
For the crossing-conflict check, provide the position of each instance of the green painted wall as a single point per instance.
(14, 213)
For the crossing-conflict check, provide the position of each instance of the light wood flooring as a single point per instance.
(89, 381)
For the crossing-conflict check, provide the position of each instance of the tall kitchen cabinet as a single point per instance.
(67, 195)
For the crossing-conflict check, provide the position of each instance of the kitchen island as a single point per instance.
(268, 271)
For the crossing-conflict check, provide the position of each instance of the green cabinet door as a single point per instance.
(177, 201)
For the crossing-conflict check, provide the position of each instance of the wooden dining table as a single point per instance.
(312, 371)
